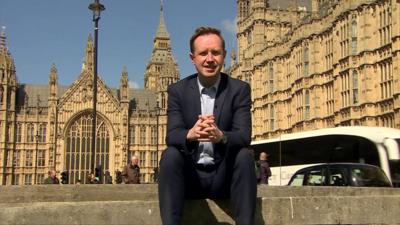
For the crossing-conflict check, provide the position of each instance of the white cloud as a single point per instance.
(133, 84)
(229, 25)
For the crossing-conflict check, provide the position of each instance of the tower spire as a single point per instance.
(3, 48)
(162, 69)
(124, 86)
(162, 29)
(53, 73)
(6, 60)
(124, 77)
(53, 82)
(89, 54)
(3, 38)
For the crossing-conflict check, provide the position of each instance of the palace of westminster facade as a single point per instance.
(46, 127)
(337, 64)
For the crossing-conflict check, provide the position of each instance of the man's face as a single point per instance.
(53, 173)
(263, 156)
(134, 161)
(208, 56)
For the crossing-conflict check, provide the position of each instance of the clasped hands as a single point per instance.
(205, 129)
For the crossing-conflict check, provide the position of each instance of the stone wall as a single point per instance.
(138, 204)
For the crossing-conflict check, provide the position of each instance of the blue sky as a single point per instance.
(43, 32)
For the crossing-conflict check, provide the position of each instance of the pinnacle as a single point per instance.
(53, 68)
(3, 38)
(162, 28)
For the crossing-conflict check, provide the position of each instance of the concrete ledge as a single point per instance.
(138, 204)
(76, 193)
(107, 192)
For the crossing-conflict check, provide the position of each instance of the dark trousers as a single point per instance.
(180, 178)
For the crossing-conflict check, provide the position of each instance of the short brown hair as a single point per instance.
(205, 30)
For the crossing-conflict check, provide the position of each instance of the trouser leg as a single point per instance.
(171, 186)
(243, 188)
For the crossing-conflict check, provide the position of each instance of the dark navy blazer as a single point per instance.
(231, 111)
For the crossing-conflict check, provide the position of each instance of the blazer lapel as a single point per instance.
(194, 99)
(219, 100)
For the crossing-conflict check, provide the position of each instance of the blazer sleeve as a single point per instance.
(239, 135)
(177, 129)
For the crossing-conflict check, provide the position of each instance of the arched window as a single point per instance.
(41, 158)
(306, 62)
(271, 78)
(78, 152)
(142, 134)
(142, 159)
(355, 87)
(42, 133)
(28, 158)
(30, 133)
(307, 105)
(153, 159)
(153, 131)
(354, 37)
(163, 101)
(17, 158)
(272, 118)
(132, 135)
(19, 132)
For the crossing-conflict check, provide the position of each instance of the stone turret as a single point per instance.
(124, 102)
(53, 83)
(8, 77)
(52, 113)
(124, 86)
(88, 63)
(162, 69)
(8, 90)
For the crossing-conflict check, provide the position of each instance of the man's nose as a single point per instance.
(210, 57)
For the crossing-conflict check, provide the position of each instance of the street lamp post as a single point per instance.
(96, 7)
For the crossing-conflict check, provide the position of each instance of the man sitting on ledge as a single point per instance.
(208, 130)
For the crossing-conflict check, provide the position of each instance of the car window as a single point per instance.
(369, 177)
(297, 180)
(337, 177)
(315, 178)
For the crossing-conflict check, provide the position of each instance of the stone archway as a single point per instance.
(78, 148)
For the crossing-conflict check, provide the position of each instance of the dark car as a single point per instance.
(341, 174)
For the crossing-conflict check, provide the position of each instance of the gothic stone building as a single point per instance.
(46, 127)
(337, 64)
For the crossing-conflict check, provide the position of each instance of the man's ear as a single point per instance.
(191, 55)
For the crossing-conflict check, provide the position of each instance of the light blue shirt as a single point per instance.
(207, 99)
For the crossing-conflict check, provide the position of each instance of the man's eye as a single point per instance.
(203, 53)
(216, 53)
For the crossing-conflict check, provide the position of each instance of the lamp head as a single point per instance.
(96, 7)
